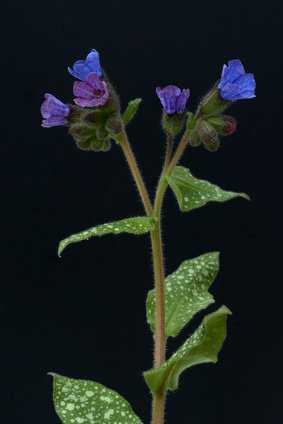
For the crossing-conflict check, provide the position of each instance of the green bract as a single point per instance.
(192, 193)
(87, 402)
(131, 110)
(203, 346)
(136, 225)
(186, 292)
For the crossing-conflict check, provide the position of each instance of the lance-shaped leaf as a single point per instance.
(137, 225)
(87, 402)
(131, 110)
(186, 292)
(203, 346)
(192, 193)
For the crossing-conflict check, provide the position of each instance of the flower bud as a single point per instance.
(90, 139)
(208, 135)
(93, 129)
(230, 125)
(223, 124)
(192, 128)
(202, 132)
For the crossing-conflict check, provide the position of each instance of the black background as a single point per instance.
(83, 315)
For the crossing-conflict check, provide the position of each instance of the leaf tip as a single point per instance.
(225, 310)
(60, 249)
(245, 196)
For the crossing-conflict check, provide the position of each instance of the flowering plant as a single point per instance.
(95, 121)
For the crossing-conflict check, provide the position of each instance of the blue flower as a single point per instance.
(54, 112)
(235, 83)
(173, 99)
(82, 68)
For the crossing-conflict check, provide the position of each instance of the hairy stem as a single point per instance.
(159, 399)
(179, 152)
(123, 141)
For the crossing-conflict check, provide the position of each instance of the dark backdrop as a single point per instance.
(83, 315)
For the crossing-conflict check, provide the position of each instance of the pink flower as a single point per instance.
(93, 92)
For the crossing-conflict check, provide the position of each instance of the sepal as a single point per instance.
(94, 129)
(173, 124)
(212, 103)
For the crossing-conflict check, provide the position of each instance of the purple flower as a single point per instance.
(173, 99)
(54, 112)
(235, 83)
(93, 92)
(82, 68)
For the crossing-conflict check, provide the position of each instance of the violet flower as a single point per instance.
(173, 99)
(235, 83)
(82, 68)
(54, 112)
(93, 92)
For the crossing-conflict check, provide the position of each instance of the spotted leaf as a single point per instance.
(186, 292)
(87, 402)
(202, 347)
(131, 110)
(137, 225)
(192, 193)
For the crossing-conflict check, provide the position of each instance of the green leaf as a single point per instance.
(131, 110)
(192, 193)
(87, 402)
(136, 225)
(186, 292)
(202, 347)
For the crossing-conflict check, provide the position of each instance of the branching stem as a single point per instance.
(159, 399)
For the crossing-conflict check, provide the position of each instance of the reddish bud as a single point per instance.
(230, 125)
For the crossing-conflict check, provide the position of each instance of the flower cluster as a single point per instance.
(94, 104)
(234, 84)
(90, 91)
(93, 93)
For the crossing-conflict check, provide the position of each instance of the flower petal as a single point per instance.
(231, 72)
(84, 102)
(54, 121)
(93, 62)
(247, 82)
(82, 68)
(182, 100)
(83, 90)
(168, 96)
(53, 106)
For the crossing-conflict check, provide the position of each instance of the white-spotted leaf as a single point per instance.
(137, 225)
(186, 292)
(87, 402)
(131, 110)
(202, 347)
(192, 193)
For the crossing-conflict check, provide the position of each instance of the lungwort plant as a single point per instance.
(95, 121)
